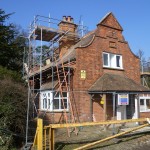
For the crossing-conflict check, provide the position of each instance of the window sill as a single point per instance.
(56, 111)
(144, 111)
(121, 69)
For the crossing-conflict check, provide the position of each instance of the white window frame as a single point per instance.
(143, 108)
(60, 98)
(47, 99)
(112, 61)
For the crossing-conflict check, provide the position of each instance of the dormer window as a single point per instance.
(112, 60)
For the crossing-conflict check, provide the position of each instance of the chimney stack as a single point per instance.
(67, 24)
(64, 18)
(71, 20)
(68, 19)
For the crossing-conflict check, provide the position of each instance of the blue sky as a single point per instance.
(133, 15)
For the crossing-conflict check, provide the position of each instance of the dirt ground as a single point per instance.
(138, 140)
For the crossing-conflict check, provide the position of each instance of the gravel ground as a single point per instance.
(140, 142)
(134, 141)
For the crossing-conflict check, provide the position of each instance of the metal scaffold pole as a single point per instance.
(56, 70)
(41, 62)
(28, 104)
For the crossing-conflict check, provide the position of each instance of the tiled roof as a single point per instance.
(113, 82)
(84, 41)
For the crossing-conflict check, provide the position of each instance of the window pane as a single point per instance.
(56, 94)
(44, 95)
(142, 106)
(105, 59)
(65, 104)
(49, 103)
(64, 94)
(48, 94)
(141, 101)
(44, 103)
(147, 103)
(56, 104)
(112, 60)
(118, 61)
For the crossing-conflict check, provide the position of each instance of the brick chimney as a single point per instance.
(67, 25)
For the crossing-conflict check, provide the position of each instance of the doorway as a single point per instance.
(126, 111)
(130, 111)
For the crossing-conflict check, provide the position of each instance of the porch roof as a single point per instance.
(116, 83)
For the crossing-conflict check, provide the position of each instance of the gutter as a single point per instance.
(119, 92)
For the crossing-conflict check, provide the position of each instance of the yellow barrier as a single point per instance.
(94, 123)
(38, 141)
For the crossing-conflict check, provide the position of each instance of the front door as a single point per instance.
(127, 111)
(122, 102)
(131, 107)
(121, 112)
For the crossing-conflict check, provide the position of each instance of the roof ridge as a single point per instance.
(104, 17)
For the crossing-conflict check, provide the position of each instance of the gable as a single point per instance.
(110, 21)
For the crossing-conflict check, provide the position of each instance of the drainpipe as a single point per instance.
(137, 108)
(91, 108)
(114, 103)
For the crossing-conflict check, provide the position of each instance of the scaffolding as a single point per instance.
(145, 73)
(45, 31)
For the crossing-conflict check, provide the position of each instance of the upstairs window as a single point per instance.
(112, 60)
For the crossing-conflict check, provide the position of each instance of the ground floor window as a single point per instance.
(54, 101)
(144, 104)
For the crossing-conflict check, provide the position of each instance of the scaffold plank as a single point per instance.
(145, 73)
(50, 33)
(47, 33)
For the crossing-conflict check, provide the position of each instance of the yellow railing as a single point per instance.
(41, 143)
(38, 139)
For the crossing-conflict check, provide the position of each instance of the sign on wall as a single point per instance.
(83, 74)
(123, 99)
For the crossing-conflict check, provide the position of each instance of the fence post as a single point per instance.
(40, 134)
(52, 142)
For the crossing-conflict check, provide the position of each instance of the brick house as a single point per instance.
(103, 81)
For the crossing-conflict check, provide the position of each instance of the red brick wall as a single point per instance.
(90, 59)
(131, 64)
(109, 103)
(144, 114)
(98, 111)
(54, 117)
(65, 44)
